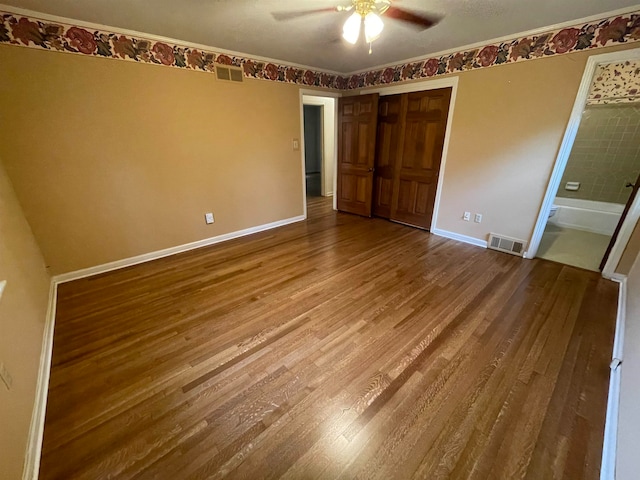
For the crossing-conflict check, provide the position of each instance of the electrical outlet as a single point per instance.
(477, 218)
(467, 216)
(296, 144)
(208, 217)
(5, 376)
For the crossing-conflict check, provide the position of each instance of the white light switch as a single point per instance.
(208, 217)
(296, 144)
(467, 216)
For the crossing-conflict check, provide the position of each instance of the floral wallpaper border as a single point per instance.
(616, 83)
(602, 33)
(31, 32)
(34, 33)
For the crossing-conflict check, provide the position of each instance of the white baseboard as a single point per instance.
(615, 277)
(128, 262)
(36, 430)
(459, 237)
(610, 444)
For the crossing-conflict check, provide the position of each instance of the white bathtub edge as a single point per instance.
(589, 204)
(587, 215)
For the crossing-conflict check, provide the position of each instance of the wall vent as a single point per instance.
(228, 73)
(510, 245)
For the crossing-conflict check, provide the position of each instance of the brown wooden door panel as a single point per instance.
(428, 102)
(390, 111)
(421, 143)
(634, 191)
(383, 194)
(357, 124)
(415, 202)
(354, 188)
(405, 191)
(417, 171)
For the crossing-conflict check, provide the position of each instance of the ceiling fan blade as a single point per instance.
(417, 20)
(291, 15)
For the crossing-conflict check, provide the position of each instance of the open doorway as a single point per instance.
(597, 184)
(319, 153)
(589, 209)
(313, 150)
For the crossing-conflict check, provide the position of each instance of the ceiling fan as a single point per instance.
(368, 12)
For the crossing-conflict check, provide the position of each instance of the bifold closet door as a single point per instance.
(416, 172)
(390, 115)
(357, 122)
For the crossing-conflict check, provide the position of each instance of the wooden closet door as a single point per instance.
(417, 171)
(357, 122)
(388, 151)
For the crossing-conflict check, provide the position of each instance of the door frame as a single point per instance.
(626, 229)
(319, 93)
(419, 86)
(563, 157)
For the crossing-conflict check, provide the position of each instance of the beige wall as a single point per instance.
(507, 128)
(630, 252)
(508, 124)
(627, 462)
(113, 159)
(22, 314)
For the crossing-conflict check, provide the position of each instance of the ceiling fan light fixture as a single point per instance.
(373, 26)
(351, 29)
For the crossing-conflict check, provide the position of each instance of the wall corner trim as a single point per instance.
(147, 257)
(31, 467)
(459, 237)
(609, 446)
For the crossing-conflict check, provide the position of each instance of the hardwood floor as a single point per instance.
(339, 347)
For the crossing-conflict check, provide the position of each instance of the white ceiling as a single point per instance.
(246, 25)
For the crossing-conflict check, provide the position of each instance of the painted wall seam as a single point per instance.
(36, 430)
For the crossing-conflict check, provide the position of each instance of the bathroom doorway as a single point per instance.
(597, 180)
(597, 183)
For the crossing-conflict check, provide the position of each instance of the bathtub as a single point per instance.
(588, 215)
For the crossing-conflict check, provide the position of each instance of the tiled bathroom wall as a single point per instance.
(605, 155)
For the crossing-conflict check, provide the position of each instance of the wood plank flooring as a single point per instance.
(339, 347)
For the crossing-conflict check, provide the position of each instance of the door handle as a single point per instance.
(630, 185)
(371, 170)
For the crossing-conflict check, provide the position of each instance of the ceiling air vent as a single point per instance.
(507, 244)
(229, 73)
